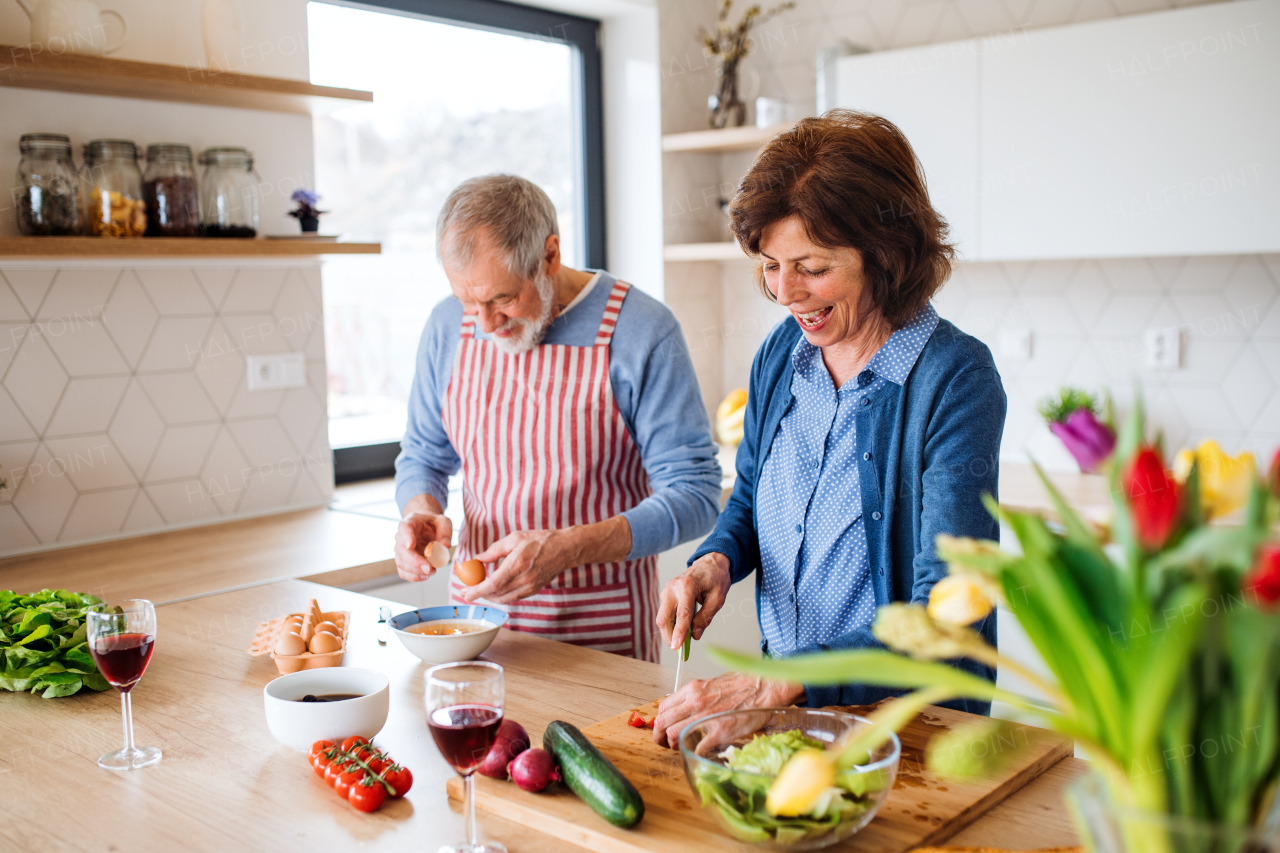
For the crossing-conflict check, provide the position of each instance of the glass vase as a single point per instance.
(1108, 827)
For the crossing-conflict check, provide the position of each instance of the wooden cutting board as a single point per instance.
(921, 809)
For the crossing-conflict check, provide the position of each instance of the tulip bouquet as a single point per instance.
(1162, 635)
(1073, 417)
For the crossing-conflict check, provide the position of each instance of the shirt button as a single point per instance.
(799, 528)
(864, 378)
(866, 455)
(866, 401)
(876, 516)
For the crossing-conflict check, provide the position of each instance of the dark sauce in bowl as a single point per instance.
(328, 697)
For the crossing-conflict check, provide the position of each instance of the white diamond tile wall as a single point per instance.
(123, 406)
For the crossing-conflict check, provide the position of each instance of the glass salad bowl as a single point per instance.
(732, 758)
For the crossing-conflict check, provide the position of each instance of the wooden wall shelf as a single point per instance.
(729, 139)
(173, 247)
(126, 78)
(728, 251)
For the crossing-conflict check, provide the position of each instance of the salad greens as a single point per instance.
(43, 645)
(739, 788)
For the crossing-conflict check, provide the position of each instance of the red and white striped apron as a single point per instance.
(544, 447)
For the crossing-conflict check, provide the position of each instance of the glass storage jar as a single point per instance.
(169, 187)
(48, 188)
(114, 206)
(228, 193)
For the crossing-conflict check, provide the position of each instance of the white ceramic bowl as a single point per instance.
(449, 648)
(300, 724)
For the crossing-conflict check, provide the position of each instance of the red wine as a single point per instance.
(465, 733)
(123, 658)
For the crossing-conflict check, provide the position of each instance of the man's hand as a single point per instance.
(728, 692)
(530, 559)
(706, 582)
(423, 523)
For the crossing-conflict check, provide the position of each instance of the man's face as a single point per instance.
(514, 311)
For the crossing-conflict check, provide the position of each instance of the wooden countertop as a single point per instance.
(225, 784)
(319, 544)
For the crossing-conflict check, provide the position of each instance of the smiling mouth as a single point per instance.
(813, 319)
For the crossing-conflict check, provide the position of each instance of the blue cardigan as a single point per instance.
(935, 449)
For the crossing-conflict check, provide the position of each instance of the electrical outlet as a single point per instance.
(1163, 348)
(277, 370)
(1015, 344)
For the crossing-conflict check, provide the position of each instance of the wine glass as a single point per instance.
(122, 636)
(464, 709)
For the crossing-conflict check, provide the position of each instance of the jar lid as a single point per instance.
(44, 142)
(100, 149)
(227, 155)
(169, 151)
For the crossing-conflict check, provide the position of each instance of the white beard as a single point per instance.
(528, 333)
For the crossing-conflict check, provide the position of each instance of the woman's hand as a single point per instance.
(728, 692)
(416, 531)
(706, 582)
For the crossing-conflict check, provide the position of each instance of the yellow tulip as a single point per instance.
(958, 600)
(797, 788)
(1224, 481)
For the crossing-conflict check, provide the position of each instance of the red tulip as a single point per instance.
(1154, 498)
(1263, 580)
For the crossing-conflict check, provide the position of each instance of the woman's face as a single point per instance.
(825, 289)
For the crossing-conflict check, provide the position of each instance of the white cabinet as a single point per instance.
(1139, 136)
(931, 93)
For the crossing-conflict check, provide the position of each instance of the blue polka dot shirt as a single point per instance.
(816, 578)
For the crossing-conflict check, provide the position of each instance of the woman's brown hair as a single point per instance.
(854, 181)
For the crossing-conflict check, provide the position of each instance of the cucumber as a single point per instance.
(592, 776)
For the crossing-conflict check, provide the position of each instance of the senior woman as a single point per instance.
(871, 424)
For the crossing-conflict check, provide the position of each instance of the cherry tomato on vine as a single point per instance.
(399, 778)
(367, 796)
(345, 782)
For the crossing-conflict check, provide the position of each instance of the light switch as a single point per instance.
(1015, 344)
(1163, 348)
(277, 370)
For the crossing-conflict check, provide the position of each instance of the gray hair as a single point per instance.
(517, 213)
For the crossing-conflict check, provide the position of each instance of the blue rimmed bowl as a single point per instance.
(449, 648)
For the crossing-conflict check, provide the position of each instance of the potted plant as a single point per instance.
(1073, 417)
(306, 213)
(1162, 633)
(729, 44)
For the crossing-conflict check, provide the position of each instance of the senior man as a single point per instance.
(569, 401)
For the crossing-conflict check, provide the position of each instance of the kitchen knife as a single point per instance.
(684, 651)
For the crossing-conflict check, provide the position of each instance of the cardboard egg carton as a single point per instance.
(268, 634)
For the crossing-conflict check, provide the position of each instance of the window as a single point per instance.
(503, 89)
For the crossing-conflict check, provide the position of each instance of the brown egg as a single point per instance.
(330, 627)
(471, 572)
(290, 644)
(437, 555)
(292, 620)
(322, 643)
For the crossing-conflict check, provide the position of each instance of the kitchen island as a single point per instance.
(226, 784)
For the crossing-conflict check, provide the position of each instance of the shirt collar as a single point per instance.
(899, 354)
(893, 360)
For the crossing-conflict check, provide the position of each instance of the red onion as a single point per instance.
(511, 741)
(533, 770)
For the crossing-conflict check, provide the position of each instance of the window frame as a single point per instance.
(371, 461)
